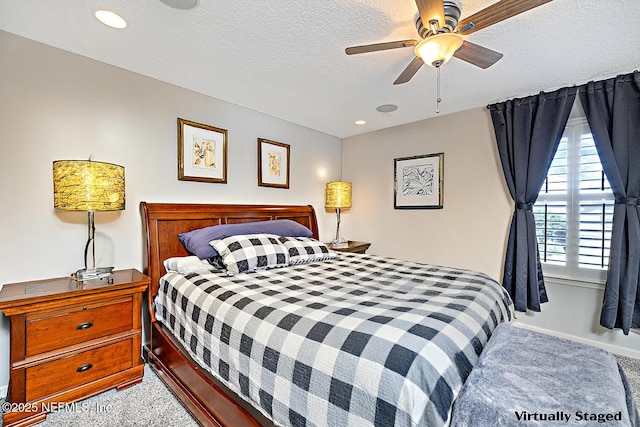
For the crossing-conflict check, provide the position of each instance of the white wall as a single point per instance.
(573, 312)
(56, 105)
(471, 231)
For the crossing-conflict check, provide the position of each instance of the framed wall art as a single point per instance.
(202, 152)
(419, 182)
(273, 164)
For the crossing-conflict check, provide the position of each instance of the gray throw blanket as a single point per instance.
(526, 378)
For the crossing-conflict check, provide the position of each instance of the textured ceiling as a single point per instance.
(286, 58)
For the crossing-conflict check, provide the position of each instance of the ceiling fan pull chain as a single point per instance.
(438, 99)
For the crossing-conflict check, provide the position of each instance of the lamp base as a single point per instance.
(92, 274)
(339, 243)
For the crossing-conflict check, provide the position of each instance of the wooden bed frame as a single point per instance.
(206, 399)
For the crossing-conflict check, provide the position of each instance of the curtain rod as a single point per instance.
(577, 86)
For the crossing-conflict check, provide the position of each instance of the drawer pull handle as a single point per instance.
(85, 367)
(85, 325)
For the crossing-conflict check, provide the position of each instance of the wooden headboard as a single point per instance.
(163, 222)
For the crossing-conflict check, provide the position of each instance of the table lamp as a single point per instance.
(85, 185)
(338, 196)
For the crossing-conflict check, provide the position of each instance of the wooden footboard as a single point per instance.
(208, 402)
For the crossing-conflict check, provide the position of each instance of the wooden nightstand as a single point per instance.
(71, 340)
(354, 247)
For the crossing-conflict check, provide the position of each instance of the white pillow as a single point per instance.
(185, 264)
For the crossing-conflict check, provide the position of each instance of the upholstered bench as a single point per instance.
(526, 378)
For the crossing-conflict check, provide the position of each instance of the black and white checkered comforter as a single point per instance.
(361, 340)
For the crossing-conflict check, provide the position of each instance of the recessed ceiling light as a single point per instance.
(360, 122)
(111, 19)
(181, 4)
(387, 108)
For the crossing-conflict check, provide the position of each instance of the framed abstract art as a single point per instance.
(419, 182)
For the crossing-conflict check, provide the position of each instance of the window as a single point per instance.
(574, 209)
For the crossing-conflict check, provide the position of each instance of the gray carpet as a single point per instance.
(631, 368)
(152, 404)
(149, 403)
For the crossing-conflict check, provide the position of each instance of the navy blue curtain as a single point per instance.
(613, 111)
(528, 131)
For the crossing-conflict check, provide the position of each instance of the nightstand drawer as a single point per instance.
(66, 373)
(72, 325)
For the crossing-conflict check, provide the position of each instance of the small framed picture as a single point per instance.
(273, 164)
(202, 152)
(419, 182)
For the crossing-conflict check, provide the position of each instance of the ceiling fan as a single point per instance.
(442, 36)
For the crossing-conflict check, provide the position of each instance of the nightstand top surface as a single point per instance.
(62, 287)
(353, 246)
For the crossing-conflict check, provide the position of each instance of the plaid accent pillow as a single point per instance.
(305, 250)
(249, 252)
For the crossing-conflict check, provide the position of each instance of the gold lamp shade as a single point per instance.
(338, 194)
(85, 185)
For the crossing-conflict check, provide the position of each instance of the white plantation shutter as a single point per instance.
(595, 234)
(596, 206)
(551, 229)
(574, 210)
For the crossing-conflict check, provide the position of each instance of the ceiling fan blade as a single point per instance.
(477, 55)
(379, 46)
(430, 10)
(497, 12)
(410, 71)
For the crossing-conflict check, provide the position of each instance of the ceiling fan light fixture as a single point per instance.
(438, 49)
